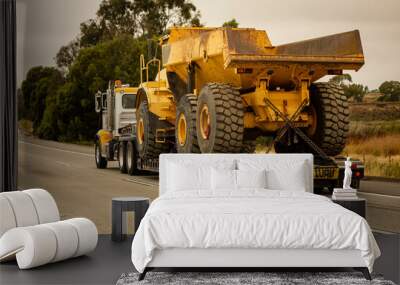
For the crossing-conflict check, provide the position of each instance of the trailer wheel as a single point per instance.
(101, 162)
(331, 116)
(131, 159)
(146, 144)
(185, 125)
(219, 119)
(122, 157)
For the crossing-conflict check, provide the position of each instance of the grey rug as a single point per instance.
(236, 278)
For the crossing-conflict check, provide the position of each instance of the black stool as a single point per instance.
(139, 205)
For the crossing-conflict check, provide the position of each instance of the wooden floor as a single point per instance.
(106, 264)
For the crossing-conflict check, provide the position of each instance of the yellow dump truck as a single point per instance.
(218, 89)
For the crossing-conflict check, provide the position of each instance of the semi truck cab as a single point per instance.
(117, 107)
(117, 111)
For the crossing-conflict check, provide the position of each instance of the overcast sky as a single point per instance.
(45, 25)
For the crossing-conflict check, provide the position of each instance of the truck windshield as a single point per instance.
(128, 101)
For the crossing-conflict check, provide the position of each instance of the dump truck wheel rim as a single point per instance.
(140, 131)
(182, 125)
(312, 115)
(205, 122)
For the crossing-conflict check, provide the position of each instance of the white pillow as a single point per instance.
(183, 177)
(281, 174)
(291, 177)
(223, 179)
(251, 178)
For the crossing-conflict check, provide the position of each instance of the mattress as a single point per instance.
(250, 219)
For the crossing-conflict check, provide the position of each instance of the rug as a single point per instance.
(244, 278)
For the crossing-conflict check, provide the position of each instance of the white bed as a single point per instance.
(248, 227)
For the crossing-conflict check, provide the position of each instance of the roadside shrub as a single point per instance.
(360, 130)
(379, 146)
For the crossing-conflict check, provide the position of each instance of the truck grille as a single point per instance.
(126, 119)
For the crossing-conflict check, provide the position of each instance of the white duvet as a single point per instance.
(250, 219)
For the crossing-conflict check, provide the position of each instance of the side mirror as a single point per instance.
(104, 101)
(98, 103)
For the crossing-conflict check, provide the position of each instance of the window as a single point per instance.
(128, 101)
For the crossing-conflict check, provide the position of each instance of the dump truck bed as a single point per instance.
(223, 50)
(342, 49)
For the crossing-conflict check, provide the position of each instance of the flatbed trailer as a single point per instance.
(327, 174)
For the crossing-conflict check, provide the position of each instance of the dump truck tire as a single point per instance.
(332, 111)
(185, 125)
(146, 144)
(101, 162)
(131, 159)
(122, 157)
(219, 119)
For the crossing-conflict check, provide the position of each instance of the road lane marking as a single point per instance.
(63, 163)
(382, 201)
(58, 149)
(141, 182)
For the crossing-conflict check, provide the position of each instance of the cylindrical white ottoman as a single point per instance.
(52, 242)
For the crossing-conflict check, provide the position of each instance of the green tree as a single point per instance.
(136, 18)
(107, 48)
(355, 91)
(117, 17)
(341, 79)
(75, 118)
(67, 54)
(351, 90)
(157, 15)
(231, 24)
(91, 33)
(48, 127)
(39, 80)
(390, 91)
(114, 17)
(21, 112)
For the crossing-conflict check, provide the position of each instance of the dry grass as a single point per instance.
(386, 146)
(374, 137)
(381, 155)
(367, 129)
(381, 166)
(377, 111)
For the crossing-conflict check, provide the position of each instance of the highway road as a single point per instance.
(68, 171)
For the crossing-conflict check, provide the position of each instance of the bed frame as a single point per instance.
(243, 259)
(246, 258)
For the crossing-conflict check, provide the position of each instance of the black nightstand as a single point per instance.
(139, 205)
(357, 205)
